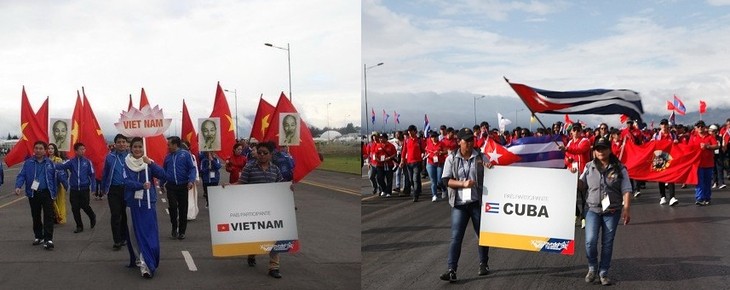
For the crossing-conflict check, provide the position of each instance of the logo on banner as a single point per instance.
(661, 160)
(491, 207)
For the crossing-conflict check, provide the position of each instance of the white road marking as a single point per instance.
(189, 261)
(163, 200)
(167, 211)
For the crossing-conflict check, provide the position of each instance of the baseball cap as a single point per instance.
(465, 134)
(602, 143)
(664, 122)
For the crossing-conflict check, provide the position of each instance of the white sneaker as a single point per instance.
(434, 198)
(387, 195)
(663, 201)
(714, 185)
(382, 193)
(637, 194)
(722, 186)
(583, 223)
(674, 201)
(444, 195)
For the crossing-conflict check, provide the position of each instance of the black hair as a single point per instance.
(267, 144)
(78, 145)
(45, 146)
(135, 140)
(120, 136)
(175, 140)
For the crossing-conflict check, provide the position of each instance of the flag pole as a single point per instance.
(528, 107)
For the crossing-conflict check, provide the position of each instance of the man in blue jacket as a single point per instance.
(38, 175)
(210, 174)
(180, 173)
(112, 185)
(82, 179)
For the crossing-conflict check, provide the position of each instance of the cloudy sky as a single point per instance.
(180, 49)
(439, 55)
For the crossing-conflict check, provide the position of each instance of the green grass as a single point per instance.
(342, 163)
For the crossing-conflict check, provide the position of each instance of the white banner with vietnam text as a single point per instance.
(529, 208)
(252, 219)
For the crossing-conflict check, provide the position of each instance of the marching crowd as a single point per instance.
(452, 161)
(130, 179)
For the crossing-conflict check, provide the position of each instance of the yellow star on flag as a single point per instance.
(265, 124)
(75, 132)
(230, 121)
(22, 130)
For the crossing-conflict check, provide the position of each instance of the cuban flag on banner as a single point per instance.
(540, 151)
(372, 115)
(426, 124)
(397, 117)
(679, 106)
(596, 101)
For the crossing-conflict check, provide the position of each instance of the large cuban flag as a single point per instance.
(596, 101)
(540, 151)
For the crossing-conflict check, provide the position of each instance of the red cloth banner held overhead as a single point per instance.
(703, 107)
(662, 161)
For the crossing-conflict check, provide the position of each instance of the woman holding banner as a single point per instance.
(464, 176)
(140, 196)
(608, 186)
(59, 204)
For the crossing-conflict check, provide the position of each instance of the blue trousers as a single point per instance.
(144, 222)
(606, 223)
(434, 173)
(414, 173)
(460, 215)
(703, 189)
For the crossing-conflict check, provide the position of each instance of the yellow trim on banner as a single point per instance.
(517, 242)
(239, 249)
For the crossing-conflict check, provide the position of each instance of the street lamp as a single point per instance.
(475, 108)
(365, 69)
(288, 59)
(520, 110)
(235, 95)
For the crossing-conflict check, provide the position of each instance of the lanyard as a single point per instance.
(465, 172)
(35, 170)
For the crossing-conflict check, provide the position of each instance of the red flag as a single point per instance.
(188, 131)
(703, 107)
(499, 155)
(222, 111)
(623, 118)
(662, 161)
(670, 106)
(30, 129)
(92, 137)
(75, 124)
(305, 154)
(157, 145)
(262, 120)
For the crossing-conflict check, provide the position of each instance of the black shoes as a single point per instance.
(78, 230)
(37, 242)
(119, 245)
(181, 236)
(173, 235)
(483, 269)
(48, 245)
(275, 274)
(449, 276)
(252, 261)
(93, 222)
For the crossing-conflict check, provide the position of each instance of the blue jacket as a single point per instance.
(179, 168)
(82, 173)
(27, 175)
(113, 169)
(206, 166)
(285, 163)
(2, 175)
(134, 181)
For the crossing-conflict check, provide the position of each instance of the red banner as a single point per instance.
(662, 161)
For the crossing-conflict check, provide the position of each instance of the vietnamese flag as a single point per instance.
(228, 134)
(703, 107)
(90, 134)
(662, 161)
(30, 130)
(223, 227)
(75, 124)
(262, 120)
(305, 154)
(188, 131)
(156, 146)
(498, 155)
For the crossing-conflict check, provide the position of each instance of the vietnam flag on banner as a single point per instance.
(499, 155)
(188, 131)
(228, 134)
(662, 161)
(305, 154)
(31, 130)
(157, 145)
(92, 137)
(262, 120)
(75, 124)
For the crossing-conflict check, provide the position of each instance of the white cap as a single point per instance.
(713, 127)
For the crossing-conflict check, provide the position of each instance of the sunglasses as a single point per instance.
(262, 153)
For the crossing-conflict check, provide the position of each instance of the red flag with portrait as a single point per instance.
(305, 154)
(228, 133)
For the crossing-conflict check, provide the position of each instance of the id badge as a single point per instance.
(465, 194)
(605, 202)
(374, 157)
(212, 175)
(34, 185)
(382, 158)
(435, 159)
(138, 194)
(575, 165)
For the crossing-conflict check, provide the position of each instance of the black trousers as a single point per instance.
(118, 211)
(205, 190)
(177, 195)
(41, 201)
(80, 200)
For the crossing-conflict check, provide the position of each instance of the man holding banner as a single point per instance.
(607, 182)
(181, 174)
(464, 176)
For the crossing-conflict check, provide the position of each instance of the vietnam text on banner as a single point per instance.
(533, 216)
(252, 219)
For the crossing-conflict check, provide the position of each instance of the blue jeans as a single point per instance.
(460, 215)
(718, 172)
(434, 172)
(607, 224)
(372, 175)
(414, 173)
(397, 176)
(704, 183)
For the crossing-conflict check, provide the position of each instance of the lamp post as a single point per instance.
(365, 69)
(288, 60)
(235, 95)
(475, 108)
(520, 110)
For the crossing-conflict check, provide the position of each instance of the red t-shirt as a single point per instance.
(450, 144)
(578, 150)
(707, 156)
(411, 151)
(433, 149)
(382, 151)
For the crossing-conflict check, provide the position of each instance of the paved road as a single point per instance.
(404, 245)
(328, 218)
